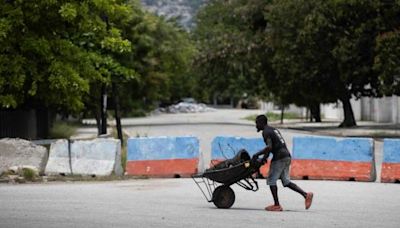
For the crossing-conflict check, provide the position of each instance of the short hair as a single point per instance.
(262, 119)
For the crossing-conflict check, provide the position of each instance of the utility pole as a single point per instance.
(103, 110)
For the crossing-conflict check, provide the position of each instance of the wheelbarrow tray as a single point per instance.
(233, 174)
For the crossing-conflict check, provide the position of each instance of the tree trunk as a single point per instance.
(315, 110)
(215, 101)
(117, 113)
(282, 113)
(97, 116)
(349, 120)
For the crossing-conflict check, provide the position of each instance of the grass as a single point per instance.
(62, 130)
(29, 174)
(124, 156)
(275, 116)
(124, 151)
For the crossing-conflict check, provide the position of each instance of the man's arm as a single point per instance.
(266, 151)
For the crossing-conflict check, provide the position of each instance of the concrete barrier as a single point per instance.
(163, 156)
(227, 147)
(391, 161)
(329, 158)
(100, 157)
(20, 152)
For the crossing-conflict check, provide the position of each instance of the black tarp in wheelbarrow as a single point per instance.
(215, 182)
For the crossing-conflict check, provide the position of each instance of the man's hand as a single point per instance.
(262, 160)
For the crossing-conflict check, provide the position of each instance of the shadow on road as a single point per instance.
(255, 209)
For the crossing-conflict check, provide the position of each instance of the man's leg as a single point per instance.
(285, 177)
(274, 191)
(275, 171)
(296, 188)
(307, 196)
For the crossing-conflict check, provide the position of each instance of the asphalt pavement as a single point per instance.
(179, 203)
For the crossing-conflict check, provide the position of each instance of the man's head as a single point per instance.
(261, 121)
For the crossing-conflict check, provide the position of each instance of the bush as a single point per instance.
(29, 174)
(62, 130)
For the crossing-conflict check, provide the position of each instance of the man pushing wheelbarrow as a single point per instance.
(241, 170)
(280, 163)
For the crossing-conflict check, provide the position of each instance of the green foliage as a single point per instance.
(68, 11)
(231, 48)
(303, 39)
(29, 174)
(43, 44)
(305, 52)
(59, 54)
(387, 62)
(62, 130)
(330, 48)
(163, 56)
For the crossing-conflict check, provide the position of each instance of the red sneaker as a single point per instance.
(274, 208)
(309, 198)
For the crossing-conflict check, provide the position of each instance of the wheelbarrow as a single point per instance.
(215, 183)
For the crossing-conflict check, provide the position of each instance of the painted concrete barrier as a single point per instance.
(329, 158)
(163, 156)
(391, 161)
(223, 148)
(100, 157)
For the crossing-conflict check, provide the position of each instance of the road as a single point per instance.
(178, 203)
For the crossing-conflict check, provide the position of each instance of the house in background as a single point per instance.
(382, 110)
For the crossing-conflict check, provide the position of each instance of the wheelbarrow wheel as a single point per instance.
(223, 197)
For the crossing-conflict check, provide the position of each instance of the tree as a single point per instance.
(228, 35)
(162, 56)
(299, 77)
(63, 55)
(49, 51)
(387, 58)
(334, 44)
(387, 62)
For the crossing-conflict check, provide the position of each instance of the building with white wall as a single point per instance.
(382, 110)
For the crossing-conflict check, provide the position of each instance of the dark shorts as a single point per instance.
(279, 170)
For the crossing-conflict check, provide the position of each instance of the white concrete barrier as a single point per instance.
(19, 152)
(59, 159)
(100, 157)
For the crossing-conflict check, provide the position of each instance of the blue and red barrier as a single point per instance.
(391, 161)
(227, 147)
(163, 156)
(329, 158)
